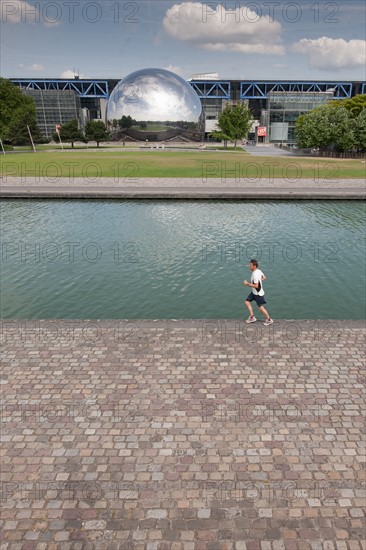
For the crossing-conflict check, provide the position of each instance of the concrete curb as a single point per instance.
(304, 324)
(195, 193)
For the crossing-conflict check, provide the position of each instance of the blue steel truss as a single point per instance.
(258, 90)
(84, 88)
(211, 89)
(204, 89)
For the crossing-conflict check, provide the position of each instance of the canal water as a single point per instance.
(164, 259)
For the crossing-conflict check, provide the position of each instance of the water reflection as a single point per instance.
(336, 214)
(192, 258)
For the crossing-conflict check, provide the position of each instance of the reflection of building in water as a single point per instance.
(275, 104)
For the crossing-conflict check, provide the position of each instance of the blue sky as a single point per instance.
(246, 40)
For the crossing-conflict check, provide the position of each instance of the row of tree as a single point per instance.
(337, 126)
(69, 132)
(127, 122)
(18, 112)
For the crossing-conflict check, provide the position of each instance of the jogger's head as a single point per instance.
(253, 264)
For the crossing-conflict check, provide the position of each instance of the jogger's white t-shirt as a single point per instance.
(257, 278)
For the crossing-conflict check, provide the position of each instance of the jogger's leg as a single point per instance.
(249, 306)
(264, 311)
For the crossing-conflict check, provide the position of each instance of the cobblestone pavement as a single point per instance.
(196, 435)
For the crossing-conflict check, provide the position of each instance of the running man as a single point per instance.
(257, 293)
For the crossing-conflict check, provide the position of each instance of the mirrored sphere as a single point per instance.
(154, 105)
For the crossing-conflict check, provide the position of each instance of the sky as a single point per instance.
(301, 40)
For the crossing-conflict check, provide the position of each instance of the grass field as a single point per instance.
(119, 145)
(53, 147)
(187, 164)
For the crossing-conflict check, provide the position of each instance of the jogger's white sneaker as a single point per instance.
(251, 319)
(268, 321)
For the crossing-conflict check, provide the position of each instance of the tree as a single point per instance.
(326, 127)
(360, 131)
(312, 129)
(18, 130)
(16, 112)
(126, 122)
(354, 105)
(70, 132)
(341, 129)
(96, 130)
(234, 123)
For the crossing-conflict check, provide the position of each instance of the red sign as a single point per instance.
(261, 131)
(58, 128)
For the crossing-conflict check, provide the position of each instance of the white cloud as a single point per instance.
(176, 69)
(332, 54)
(240, 30)
(36, 67)
(68, 73)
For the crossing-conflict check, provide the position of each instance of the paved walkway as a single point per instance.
(184, 188)
(189, 435)
(270, 151)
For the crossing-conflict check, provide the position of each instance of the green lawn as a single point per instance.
(53, 147)
(189, 164)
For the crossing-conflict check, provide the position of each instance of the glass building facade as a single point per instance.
(285, 107)
(54, 107)
(275, 104)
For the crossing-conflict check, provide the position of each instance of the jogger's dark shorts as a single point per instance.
(258, 299)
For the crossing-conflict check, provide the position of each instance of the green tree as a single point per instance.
(312, 129)
(234, 123)
(341, 129)
(16, 112)
(360, 131)
(18, 130)
(326, 127)
(126, 122)
(96, 130)
(70, 132)
(354, 105)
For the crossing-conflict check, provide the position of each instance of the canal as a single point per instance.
(165, 259)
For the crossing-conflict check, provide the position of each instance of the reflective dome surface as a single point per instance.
(154, 105)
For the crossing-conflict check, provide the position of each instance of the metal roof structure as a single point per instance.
(219, 89)
(254, 90)
(84, 88)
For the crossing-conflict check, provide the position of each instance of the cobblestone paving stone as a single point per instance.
(210, 435)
